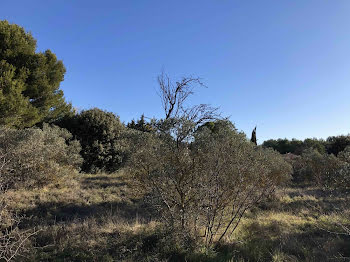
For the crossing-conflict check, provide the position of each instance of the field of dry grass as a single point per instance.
(300, 224)
(99, 218)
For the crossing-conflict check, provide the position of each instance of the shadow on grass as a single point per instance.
(325, 206)
(54, 212)
(299, 202)
(102, 184)
(104, 181)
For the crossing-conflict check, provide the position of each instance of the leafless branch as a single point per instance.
(173, 95)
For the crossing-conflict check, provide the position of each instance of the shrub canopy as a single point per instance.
(218, 174)
(36, 157)
(101, 136)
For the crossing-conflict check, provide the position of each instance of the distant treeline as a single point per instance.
(332, 145)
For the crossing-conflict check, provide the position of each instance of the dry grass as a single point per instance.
(99, 218)
(301, 224)
(82, 217)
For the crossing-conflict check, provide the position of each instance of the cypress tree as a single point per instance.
(253, 139)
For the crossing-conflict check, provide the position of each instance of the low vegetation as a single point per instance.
(99, 218)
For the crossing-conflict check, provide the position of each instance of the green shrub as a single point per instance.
(100, 135)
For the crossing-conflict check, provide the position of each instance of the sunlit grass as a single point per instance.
(99, 218)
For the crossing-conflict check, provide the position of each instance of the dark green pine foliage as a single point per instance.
(141, 125)
(29, 81)
(101, 137)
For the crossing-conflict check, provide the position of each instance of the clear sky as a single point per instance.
(282, 65)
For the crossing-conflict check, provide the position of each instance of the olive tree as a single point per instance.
(198, 171)
(233, 176)
(164, 164)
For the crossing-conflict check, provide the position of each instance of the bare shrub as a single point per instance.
(30, 157)
(13, 241)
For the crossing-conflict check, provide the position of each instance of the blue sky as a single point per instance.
(281, 65)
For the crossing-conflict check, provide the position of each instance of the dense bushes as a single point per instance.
(100, 134)
(320, 168)
(319, 162)
(325, 170)
(35, 157)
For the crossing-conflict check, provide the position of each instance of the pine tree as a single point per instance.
(15, 109)
(141, 125)
(29, 81)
